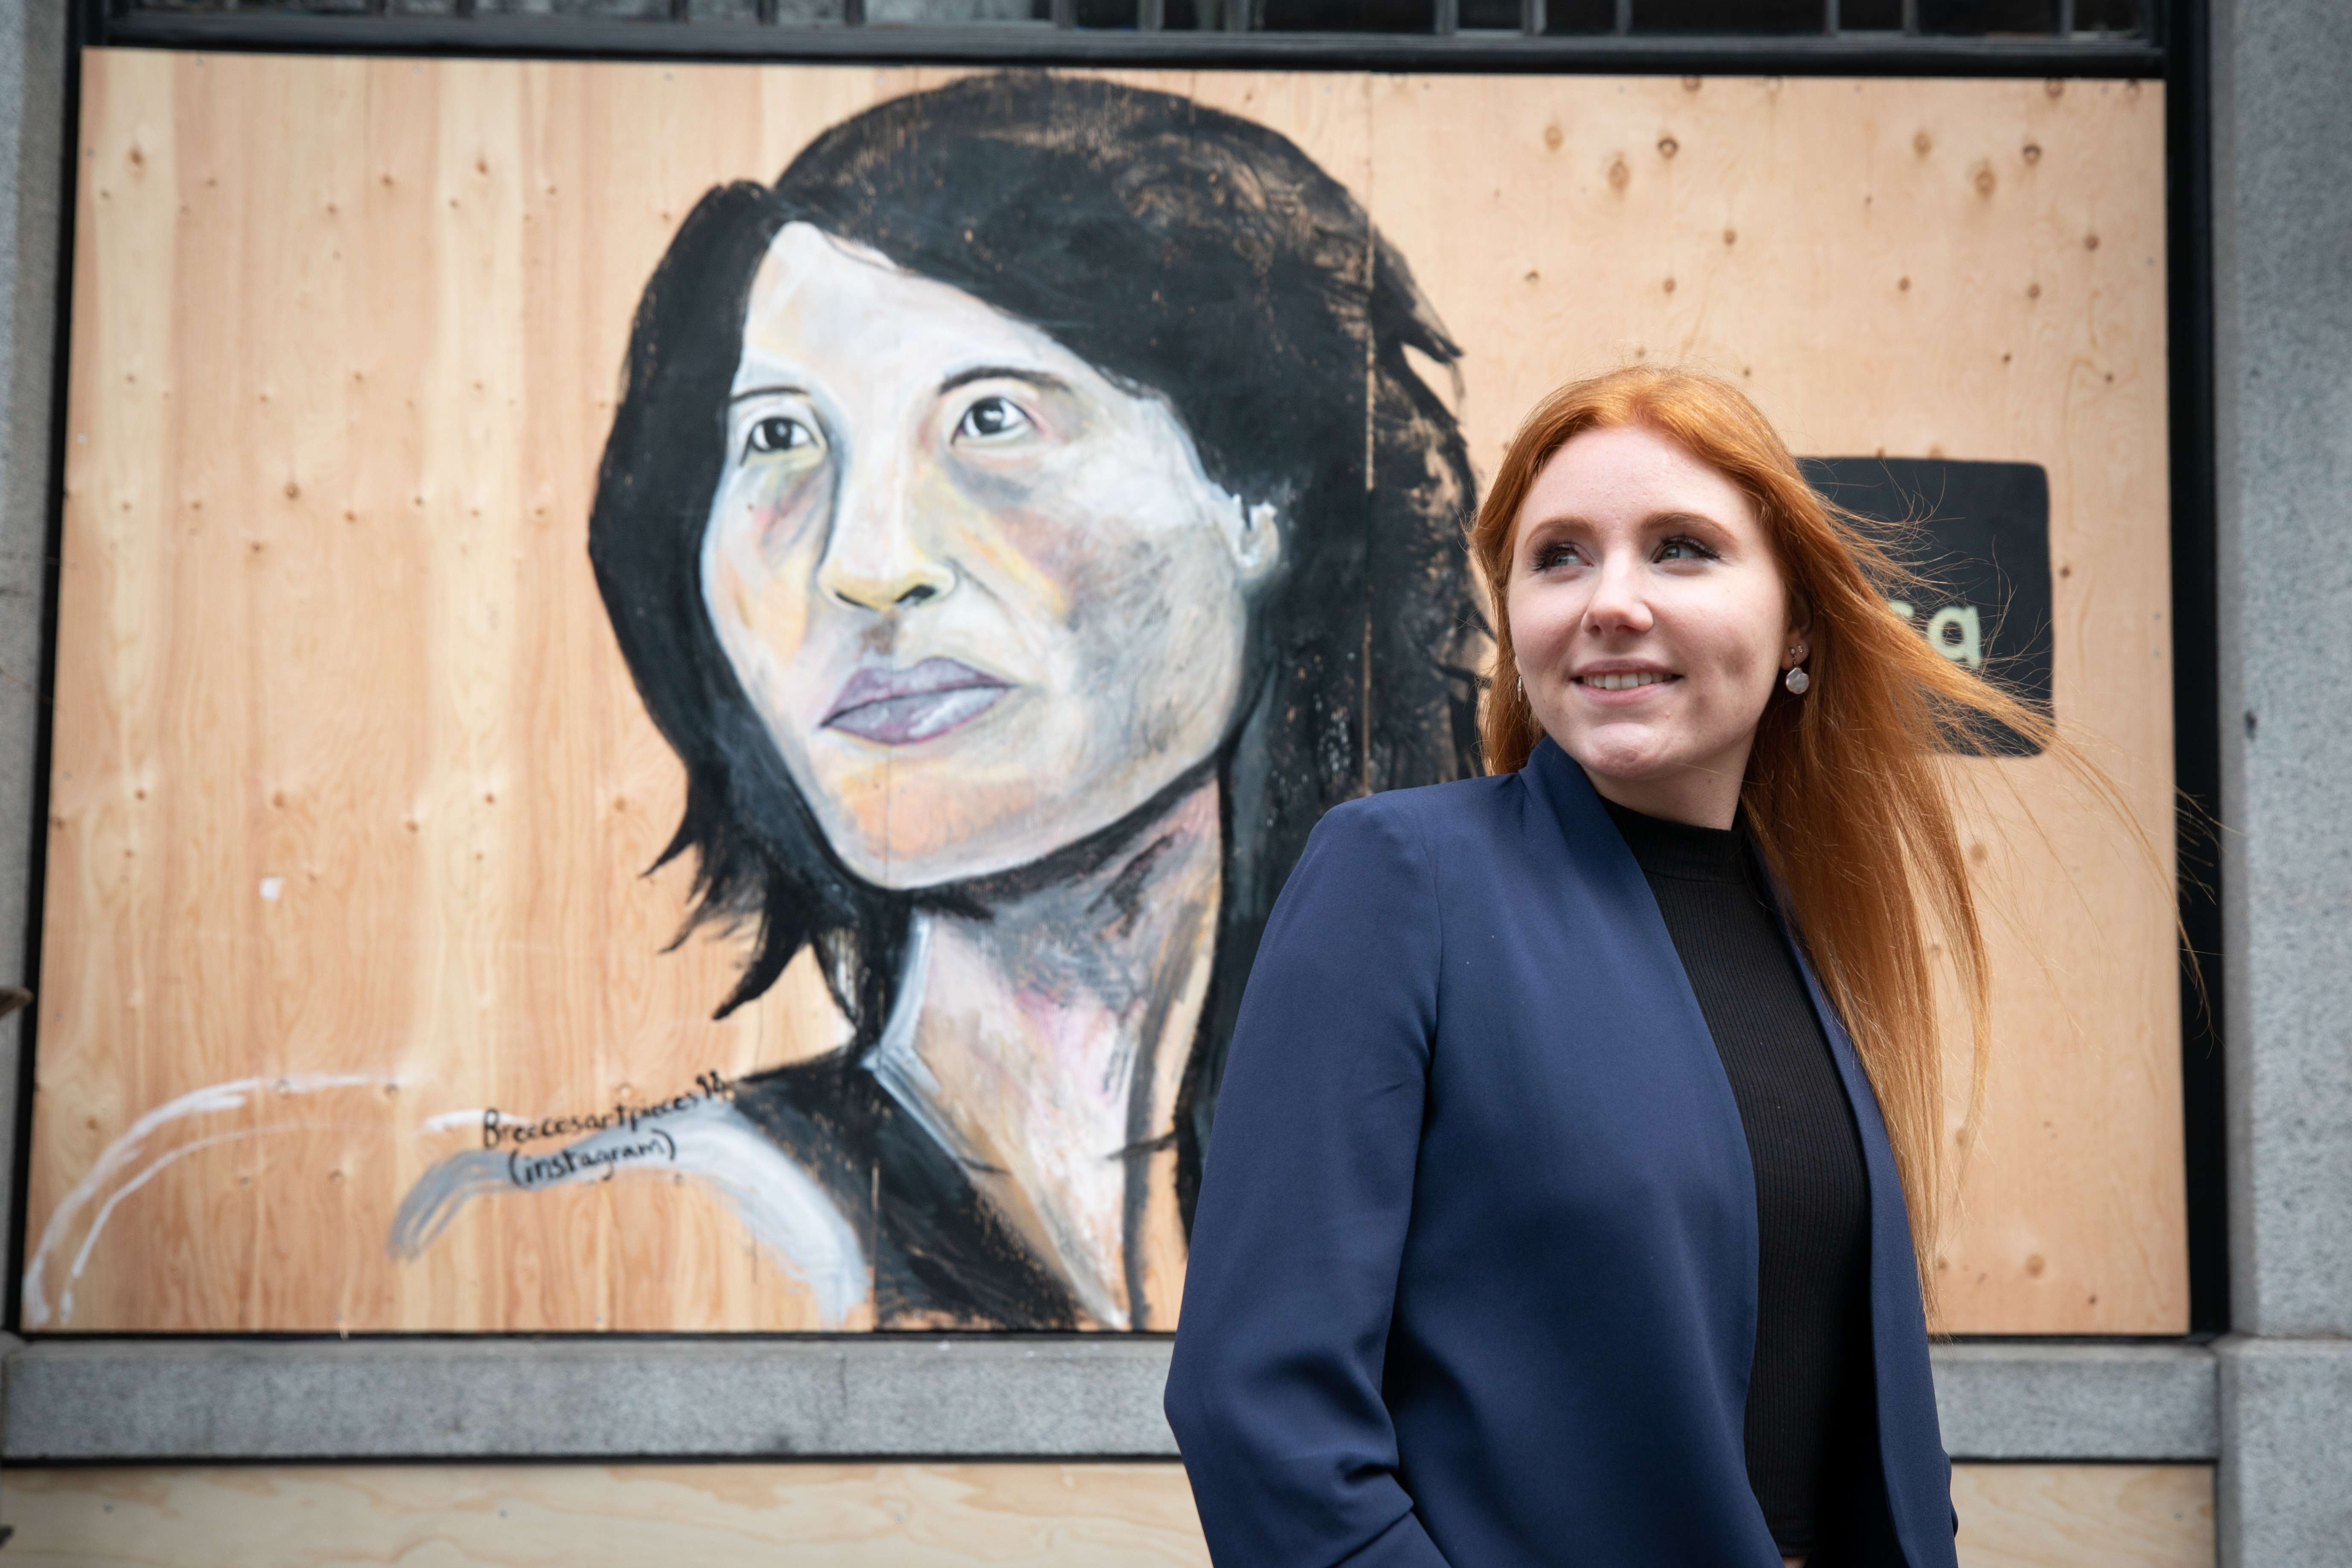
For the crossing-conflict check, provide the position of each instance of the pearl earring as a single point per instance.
(1797, 680)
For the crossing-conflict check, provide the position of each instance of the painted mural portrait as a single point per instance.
(1022, 521)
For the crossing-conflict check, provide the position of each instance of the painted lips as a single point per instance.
(903, 707)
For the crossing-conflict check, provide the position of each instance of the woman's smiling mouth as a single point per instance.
(920, 702)
(1623, 681)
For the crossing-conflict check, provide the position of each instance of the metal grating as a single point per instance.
(2064, 22)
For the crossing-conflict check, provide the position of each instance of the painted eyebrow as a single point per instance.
(961, 378)
(1003, 373)
(735, 397)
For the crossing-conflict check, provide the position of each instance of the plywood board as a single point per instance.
(2084, 1515)
(354, 797)
(886, 1516)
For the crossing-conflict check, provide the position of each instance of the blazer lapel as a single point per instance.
(1602, 856)
(1911, 1456)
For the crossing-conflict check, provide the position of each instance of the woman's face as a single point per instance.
(985, 600)
(1650, 620)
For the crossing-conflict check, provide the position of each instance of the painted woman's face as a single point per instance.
(1650, 620)
(985, 600)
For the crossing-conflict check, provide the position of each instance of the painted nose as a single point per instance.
(877, 559)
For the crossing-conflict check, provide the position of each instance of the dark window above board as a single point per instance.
(2086, 21)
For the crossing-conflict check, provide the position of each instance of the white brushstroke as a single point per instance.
(899, 1068)
(125, 1151)
(106, 1210)
(778, 1201)
(908, 1079)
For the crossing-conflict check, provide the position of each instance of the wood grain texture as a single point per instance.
(526, 1516)
(2084, 1515)
(353, 796)
(884, 1516)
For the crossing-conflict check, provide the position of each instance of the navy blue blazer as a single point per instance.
(1473, 1274)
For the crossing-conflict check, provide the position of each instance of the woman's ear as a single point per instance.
(1800, 627)
(1254, 534)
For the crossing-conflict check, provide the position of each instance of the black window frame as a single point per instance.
(2174, 49)
(1059, 41)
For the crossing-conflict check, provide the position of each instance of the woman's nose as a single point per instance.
(875, 558)
(1618, 603)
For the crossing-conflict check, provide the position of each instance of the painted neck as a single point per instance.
(1114, 922)
(1049, 1044)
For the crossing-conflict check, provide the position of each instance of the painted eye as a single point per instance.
(778, 433)
(991, 419)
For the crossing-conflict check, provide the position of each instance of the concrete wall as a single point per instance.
(173, 1400)
(32, 122)
(2282, 242)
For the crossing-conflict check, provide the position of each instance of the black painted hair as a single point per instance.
(1181, 251)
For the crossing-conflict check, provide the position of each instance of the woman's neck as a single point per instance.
(1702, 797)
(1050, 1043)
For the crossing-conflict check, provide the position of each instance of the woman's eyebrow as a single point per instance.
(1674, 518)
(1655, 521)
(767, 392)
(1529, 529)
(1003, 373)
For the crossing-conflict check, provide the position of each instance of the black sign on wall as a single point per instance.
(1980, 533)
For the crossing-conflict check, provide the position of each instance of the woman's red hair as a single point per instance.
(1848, 791)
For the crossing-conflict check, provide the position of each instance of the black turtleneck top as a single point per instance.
(1810, 1392)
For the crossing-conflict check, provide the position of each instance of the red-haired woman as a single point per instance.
(1576, 1167)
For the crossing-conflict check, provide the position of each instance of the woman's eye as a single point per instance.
(1553, 556)
(1684, 550)
(778, 433)
(991, 419)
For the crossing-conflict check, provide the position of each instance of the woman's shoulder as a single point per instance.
(1468, 832)
(1411, 843)
(1434, 814)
